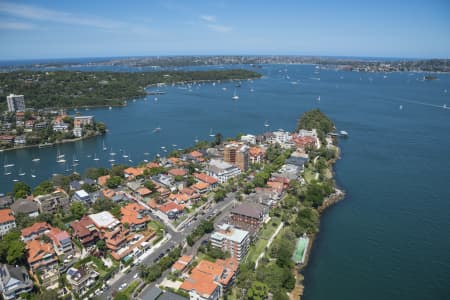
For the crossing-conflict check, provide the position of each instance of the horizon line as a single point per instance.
(212, 54)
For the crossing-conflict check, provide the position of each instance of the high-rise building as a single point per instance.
(15, 102)
(236, 154)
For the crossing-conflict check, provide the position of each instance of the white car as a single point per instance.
(123, 285)
(135, 276)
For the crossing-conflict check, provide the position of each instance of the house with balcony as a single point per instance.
(14, 281)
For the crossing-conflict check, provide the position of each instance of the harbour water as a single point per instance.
(389, 239)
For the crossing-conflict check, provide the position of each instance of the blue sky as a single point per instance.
(378, 28)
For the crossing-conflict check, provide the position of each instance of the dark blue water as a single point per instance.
(389, 239)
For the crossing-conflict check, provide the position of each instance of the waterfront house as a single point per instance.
(51, 203)
(7, 221)
(25, 206)
(6, 201)
(248, 139)
(20, 140)
(14, 280)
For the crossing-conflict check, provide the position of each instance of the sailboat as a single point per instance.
(95, 157)
(21, 173)
(124, 155)
(196, 140)
(6, 165)
(318, 98)
(104, 146)
(36, 159)
(157, 129)
(266, 124)
(32, 174)
(6, 173)
(211, 134)
(60, 158)
(112, 153)
(235, 96)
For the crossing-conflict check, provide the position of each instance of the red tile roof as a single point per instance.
(6, 216)
(205, 178)
(177, 172)
(36, 228)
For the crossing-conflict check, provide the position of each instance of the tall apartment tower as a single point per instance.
(236, 154)
(15, 102)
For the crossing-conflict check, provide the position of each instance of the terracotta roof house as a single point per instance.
(171, 209)
(135, 215)
(201, 187)
(85, 231)
(62, 241)
(133, 172)
(34, 231)
(177, 172)
(209, 280)
(213, 182)
(7, 221)
(152, 165)
(181, 264)
(102, 180)
(143, 192)
(41, 255)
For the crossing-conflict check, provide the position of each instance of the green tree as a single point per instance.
(77, 209)
(258, 291)
(113, 182)
(102, 204)
(217, 139)
(21, 190)
(219, 195)
(12, 248)
(101, 245)
(45, 187)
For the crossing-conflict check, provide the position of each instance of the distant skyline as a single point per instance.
(44, 29)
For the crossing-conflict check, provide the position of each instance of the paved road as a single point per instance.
(176, 238)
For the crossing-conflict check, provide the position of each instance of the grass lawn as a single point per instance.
(256, 250)
(309, 175)
(263, 238)
(130, 289)
(155, 225)
(267, 232)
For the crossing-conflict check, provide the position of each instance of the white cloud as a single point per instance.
(42, 14)
(219, 28)
(16, 26)
(208, 18)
